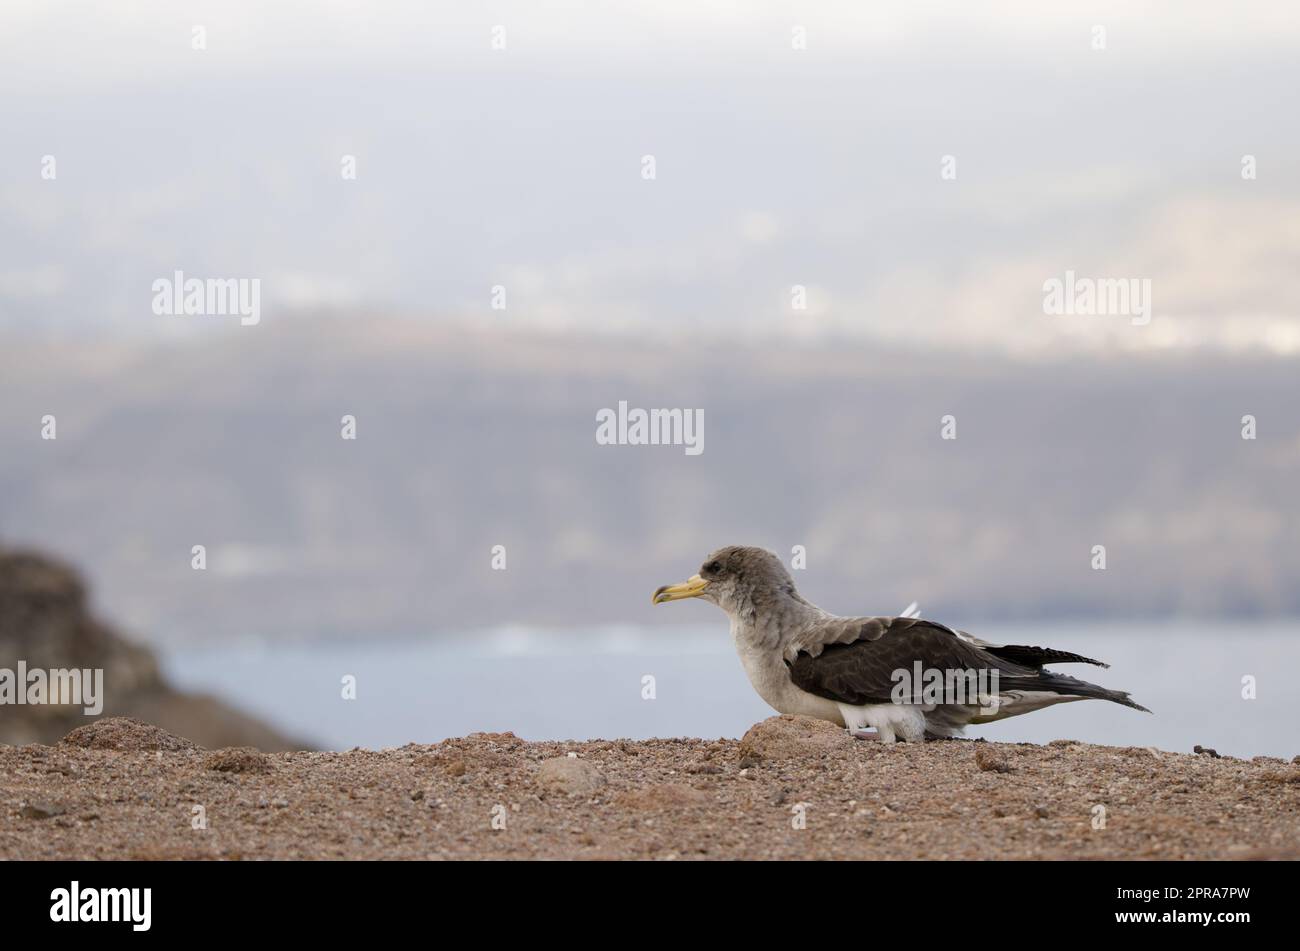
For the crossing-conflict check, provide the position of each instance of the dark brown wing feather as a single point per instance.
(1038, 656)
(863, 671)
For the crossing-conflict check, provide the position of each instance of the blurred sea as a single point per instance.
(552, 684)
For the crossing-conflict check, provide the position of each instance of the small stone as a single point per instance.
(237, 759)
(662, 796)
(990, 762)
(40, 810)
(792, 737)
(570, 776)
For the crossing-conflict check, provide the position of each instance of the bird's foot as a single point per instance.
(873, 735)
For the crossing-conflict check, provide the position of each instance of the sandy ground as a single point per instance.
(793, 788)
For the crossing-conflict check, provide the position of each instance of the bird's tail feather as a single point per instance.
(1072, 687)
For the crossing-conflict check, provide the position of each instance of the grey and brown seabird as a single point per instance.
(905, 677)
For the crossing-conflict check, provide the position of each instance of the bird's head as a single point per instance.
(738, 579)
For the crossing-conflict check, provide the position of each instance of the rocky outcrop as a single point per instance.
(45, 624)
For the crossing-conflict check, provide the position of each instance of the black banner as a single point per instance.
(330, 900)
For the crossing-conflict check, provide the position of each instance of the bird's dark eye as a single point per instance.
(712, 568)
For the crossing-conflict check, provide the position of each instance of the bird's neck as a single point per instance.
(762, 638)
(772, 624)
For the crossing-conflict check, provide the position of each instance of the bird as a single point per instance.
(906, 678)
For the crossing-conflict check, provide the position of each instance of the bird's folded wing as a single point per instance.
(848, 630)
(855, 660)
(841, 630)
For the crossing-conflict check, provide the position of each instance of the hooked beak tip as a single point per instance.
(693, 587)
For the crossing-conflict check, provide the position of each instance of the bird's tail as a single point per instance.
(1071, 687)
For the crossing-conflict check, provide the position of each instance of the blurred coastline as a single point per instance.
(471, 439)
(577, 684)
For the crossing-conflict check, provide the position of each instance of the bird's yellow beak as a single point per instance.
(692, 587)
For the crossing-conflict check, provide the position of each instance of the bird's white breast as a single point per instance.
(770, 678)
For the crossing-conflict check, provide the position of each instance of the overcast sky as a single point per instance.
(774, 167)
